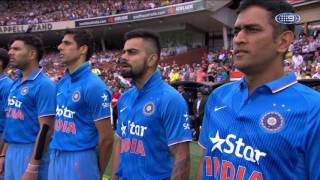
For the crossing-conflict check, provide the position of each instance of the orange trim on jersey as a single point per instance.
(284, 87)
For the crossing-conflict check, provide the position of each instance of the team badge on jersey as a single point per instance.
(272, 121)
(76, 96)
(148, 108)
(24, 91)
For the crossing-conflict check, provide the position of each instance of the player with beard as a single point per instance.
(153, 124)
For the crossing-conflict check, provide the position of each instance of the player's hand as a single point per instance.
(31, 172)
(30, 175)
(1, 166)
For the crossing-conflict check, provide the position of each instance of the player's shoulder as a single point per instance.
(167, 89)
(307, 95)
(128, 94)
(6, 82)
(225, 89)
(167, 93)
(43, 79)
(92, 81)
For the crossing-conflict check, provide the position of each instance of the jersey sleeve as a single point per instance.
(203, 138)
(98, 100)
(118, 131)
(46, 99)
(176, 120)
(313, 145)
(7, 89)
(4, 93)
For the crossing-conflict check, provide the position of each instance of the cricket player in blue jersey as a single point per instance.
(83, 136)
(29, 113)
(5, 85)
(267, 125)
(153, 124)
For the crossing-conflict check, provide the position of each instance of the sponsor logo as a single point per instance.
(288, 18)
(132, 145)
(14, 113)
(121, 110)
(186, 124)
(64, 111)
(135, 129)
(223, 169)
(272, 121)
(219, 108)
(105, 103)
(184, 8)
(65, 126)
(123, 129)
(233, 145)
(14, 102)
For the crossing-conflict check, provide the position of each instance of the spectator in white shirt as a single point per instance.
(297, 59)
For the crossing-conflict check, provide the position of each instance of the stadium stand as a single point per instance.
(214, 66)
(37, 11)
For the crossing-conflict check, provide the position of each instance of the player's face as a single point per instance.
(134, 58)
(20, 55)
(254, 46)
(69, 51)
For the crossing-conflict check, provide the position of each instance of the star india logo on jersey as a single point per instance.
(236, 146)
(105, 103)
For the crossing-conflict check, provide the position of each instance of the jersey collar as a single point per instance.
(83, 69)
(153, 81)
(32, 76)
(2, 76)
(282, 83)
(276, 85)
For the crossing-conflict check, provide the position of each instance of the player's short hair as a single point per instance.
(31, 41)
(275, 7)
(83, 38)
(147, 35)
(4, 57)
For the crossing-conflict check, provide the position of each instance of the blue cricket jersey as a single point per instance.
(150, 120)
(27, 102)
(82, 99)
(5, 85)
(272, 134)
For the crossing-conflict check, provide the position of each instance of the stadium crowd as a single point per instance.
(37, 11)
(303, 58)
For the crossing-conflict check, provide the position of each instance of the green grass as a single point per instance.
(195, 152)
